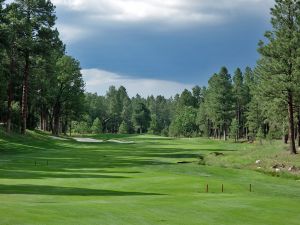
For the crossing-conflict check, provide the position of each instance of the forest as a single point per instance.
(41, 87)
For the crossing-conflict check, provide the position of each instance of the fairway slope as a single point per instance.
(51, 181)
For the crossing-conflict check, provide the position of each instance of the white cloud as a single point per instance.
(99, 81)
(173, 13)
(168, 11)
(162, 14)
(71, 33)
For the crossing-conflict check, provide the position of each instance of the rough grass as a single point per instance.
(46, 181)
(269, 153)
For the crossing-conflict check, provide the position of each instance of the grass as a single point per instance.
(45, 181)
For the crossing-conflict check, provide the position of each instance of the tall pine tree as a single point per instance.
(219, 102)
(38, 18)
(278, 68)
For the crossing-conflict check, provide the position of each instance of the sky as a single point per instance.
(160, 47)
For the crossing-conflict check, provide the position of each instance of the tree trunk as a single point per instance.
(56, 126)
(209, 131)
(42, 119)
(65, 126)
(9, 105)
(70, 128)
(298, 126)
(56, 117)
(46, 121)
(286, 138)
(291, 124)
(225, 135)
(51, 122)
(10, 93)
(239, 122)
(24, 103)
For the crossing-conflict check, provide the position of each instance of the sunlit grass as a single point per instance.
(46, 181)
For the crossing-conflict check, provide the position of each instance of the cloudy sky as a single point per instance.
(160, 46)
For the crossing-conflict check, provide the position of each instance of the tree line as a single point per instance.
(220, 110)
(42, 87)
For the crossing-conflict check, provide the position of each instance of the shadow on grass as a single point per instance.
(68, 191)
(31, 157)
(21, 174)
(174, 156)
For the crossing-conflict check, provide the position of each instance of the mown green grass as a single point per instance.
(140, 183)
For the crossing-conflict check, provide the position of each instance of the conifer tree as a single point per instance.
(234, 129)
(278, 67)
(238, 92)
(126, 126)
(141, 117)
(219, 102)
(37, 19)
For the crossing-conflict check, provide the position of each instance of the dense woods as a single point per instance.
(42, 87)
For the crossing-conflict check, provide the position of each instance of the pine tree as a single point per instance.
(239, 100)
(278, 68)
(197, 94)
(255, 117)
(219, 102)
(248, 86)
(10, 27)
(37, 19)
(234, 129)
(114, 109)
(141, 117)
(187, 99)
(3, 45)
(160, 109)
(126, 126)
